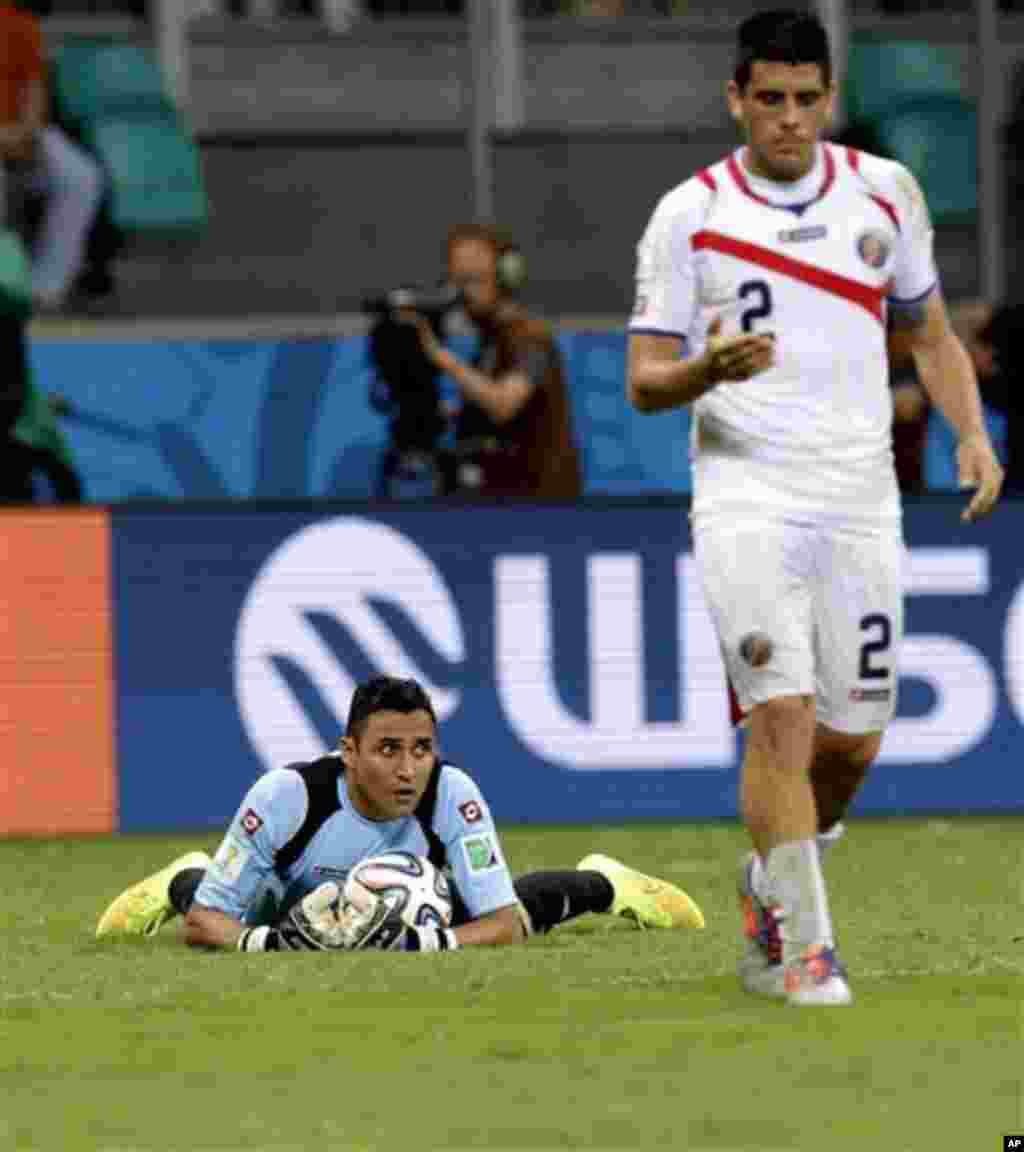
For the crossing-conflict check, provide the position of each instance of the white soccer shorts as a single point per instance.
(828, 599)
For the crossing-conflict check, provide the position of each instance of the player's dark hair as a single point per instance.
(385, 694)
(784, 36)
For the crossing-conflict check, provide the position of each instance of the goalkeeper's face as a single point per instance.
(387, 765)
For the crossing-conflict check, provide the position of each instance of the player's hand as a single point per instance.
(737, 357)
(314, 923)
(432, 347)
(368, 921)
(980, 470)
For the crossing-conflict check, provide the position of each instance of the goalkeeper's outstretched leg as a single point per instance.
(604, 886)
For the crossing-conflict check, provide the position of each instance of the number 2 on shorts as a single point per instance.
(879, 624)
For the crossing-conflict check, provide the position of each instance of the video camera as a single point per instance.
(406, 385)
(434, 304)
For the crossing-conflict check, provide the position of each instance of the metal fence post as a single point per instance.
(481, 112)
(834, 15)
(170, 36)
(991, 220)
(510, 96)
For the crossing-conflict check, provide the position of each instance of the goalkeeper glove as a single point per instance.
(311, 925)
(368, 921)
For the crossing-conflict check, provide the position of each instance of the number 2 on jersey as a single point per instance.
(760, 308)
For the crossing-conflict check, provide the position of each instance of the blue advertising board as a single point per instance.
(568, 651)
(218, 420)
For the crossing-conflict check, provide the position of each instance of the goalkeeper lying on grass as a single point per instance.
(274, 882)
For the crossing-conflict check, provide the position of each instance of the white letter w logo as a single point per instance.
(617, 735)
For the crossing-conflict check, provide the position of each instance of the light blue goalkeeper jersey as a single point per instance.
(297, 828)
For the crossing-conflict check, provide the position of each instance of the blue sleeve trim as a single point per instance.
(912, 301)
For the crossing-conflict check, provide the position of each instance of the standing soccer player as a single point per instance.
(764, 286)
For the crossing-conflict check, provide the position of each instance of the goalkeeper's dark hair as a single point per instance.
(385, 694)
(784, 36)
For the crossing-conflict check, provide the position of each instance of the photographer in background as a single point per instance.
(513, 434)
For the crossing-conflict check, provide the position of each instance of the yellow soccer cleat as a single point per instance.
(649, 902)
(142, 909)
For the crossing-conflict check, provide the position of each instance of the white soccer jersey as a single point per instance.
(818, 263)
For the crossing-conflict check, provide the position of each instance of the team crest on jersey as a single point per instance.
(471, 812)
(873, 248)
(251, 822)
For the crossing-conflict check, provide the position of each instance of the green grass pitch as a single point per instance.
(598, 1036)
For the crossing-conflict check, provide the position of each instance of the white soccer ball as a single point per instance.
(409, 883)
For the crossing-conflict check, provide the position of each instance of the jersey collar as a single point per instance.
(739, 177)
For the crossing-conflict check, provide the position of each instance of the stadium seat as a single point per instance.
(111, 97)
(905, 99)
(936, 138)
(881, 75)
(15, 277)
(94, 78)
(153, 170)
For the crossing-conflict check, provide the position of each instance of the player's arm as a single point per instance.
(211, 928)
(503, 926)
(658, 379)
(479, 870)
(947, 375)
(269, 815)
(921, 329)
(666, 316)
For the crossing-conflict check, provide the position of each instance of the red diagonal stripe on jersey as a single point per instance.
(866, 295)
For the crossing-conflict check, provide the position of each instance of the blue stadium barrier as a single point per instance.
(264, 420)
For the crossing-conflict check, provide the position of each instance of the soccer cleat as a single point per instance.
(648, 902)
(142, 909)
(760, 968)
(817, 977)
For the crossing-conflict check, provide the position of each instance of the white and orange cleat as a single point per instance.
(760, 967)
(817, 977)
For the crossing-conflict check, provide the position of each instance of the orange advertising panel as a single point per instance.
(56, 674)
